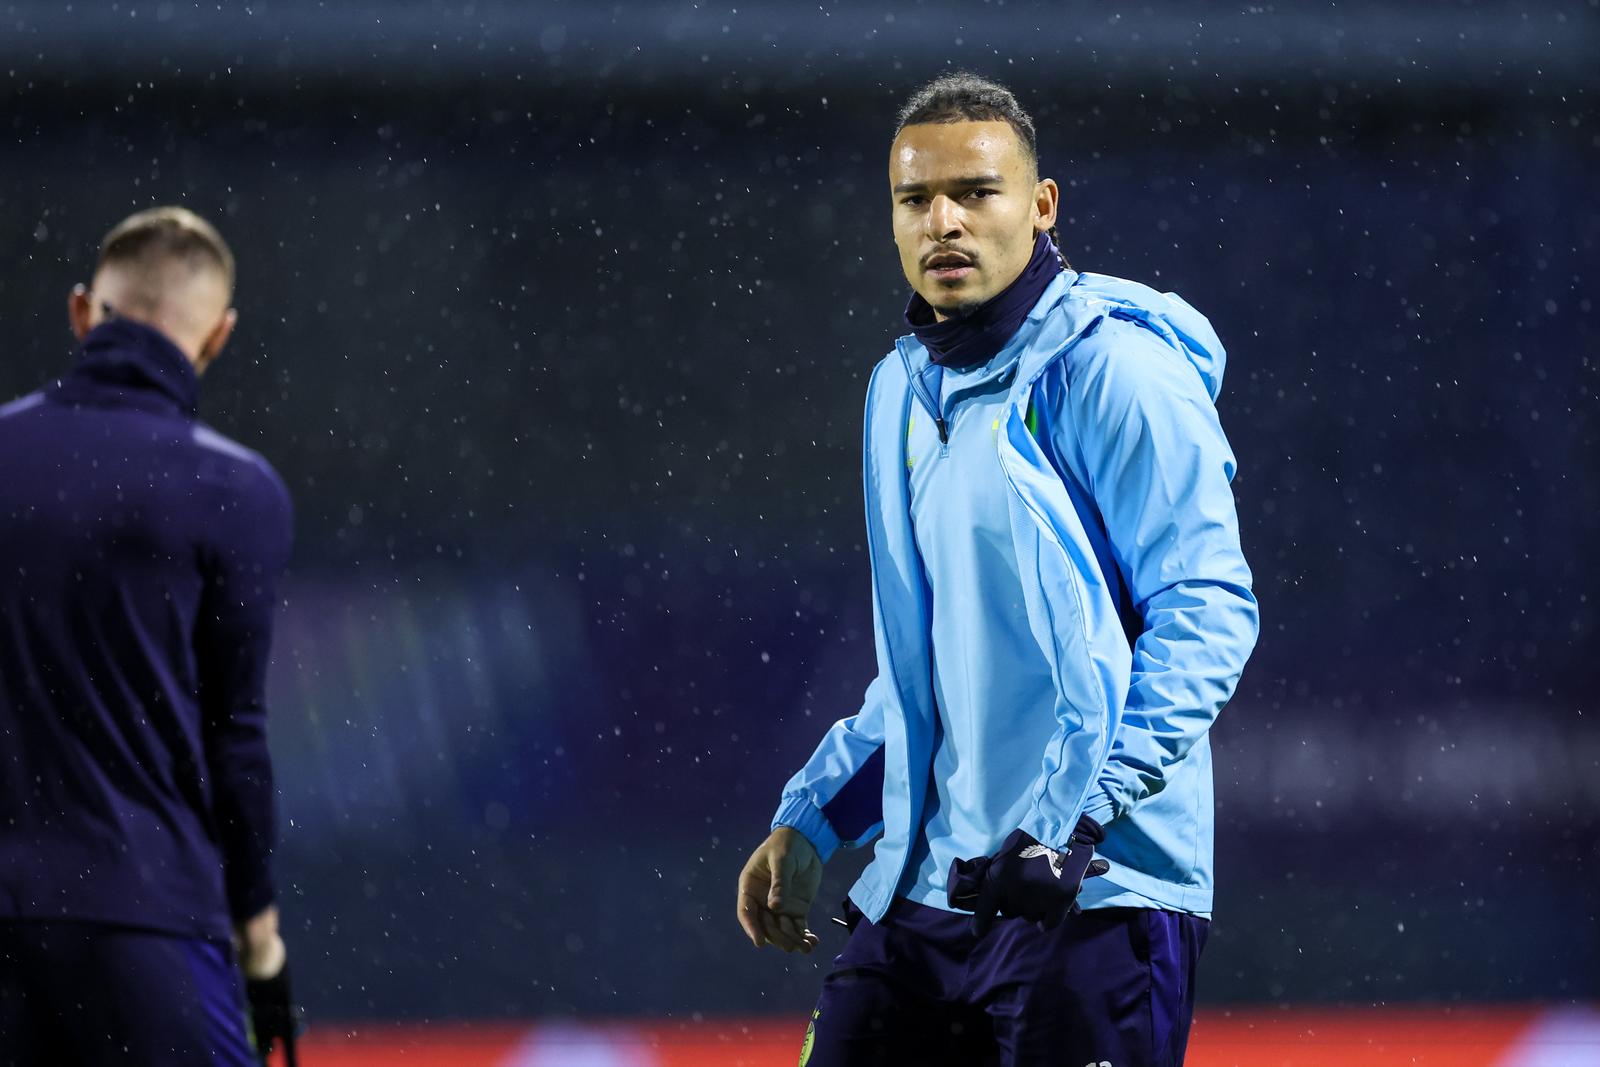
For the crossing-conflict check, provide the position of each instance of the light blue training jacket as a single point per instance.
(962, 524)
(1122, 518)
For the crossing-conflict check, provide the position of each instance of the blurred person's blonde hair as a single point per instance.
(156, 236)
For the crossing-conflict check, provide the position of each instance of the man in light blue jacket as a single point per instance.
(1061, 609)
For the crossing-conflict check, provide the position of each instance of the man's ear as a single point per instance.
(211, 347)
(80, 311)
(1046, 200)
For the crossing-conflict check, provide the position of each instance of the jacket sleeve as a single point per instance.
(836, 799)
(1158, 469)
(232, 642)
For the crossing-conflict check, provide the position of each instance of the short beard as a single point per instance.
(958, 308)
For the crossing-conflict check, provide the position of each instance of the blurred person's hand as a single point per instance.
(273, 1017)
(776, 889)
(261, 951)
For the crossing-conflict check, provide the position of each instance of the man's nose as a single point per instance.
(944, 219)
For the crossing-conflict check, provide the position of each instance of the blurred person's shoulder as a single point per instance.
(21, 406)
(229, 465)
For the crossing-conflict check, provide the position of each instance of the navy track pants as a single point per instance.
(1109, 986)
(74, 993)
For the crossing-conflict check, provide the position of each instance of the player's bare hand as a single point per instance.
(261, 950)
(776, 889)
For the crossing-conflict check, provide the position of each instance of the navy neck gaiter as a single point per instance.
(126, 355)
(974, 338)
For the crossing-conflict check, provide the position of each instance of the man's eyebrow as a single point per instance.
(964, 183)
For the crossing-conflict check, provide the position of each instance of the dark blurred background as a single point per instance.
(557, 319)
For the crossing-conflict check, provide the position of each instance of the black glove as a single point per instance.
(273, 1014)
(1026, 880)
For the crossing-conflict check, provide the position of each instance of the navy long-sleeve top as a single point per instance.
(139, 556)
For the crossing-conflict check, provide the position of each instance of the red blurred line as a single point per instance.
(1256, 1037)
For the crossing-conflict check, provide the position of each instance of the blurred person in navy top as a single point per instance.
(139, 556)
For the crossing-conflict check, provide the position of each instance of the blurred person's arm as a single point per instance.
(834, 801)
(1141, 425)
(251, 533)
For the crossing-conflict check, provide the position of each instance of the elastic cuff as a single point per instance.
(1099, 806)
(799, 813)
(1046, 831)
(1058, 835)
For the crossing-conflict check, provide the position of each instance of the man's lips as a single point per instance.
(948, 266)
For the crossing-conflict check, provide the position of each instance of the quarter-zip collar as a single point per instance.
(126, 361)
(927, 375)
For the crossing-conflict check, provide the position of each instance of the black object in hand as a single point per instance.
(1027, 880)
(273, 1014)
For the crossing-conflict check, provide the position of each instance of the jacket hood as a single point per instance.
(1165, 314)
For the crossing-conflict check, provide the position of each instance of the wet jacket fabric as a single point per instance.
(1116, 476)
(139, 556)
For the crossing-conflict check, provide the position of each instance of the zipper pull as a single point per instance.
(944, 431)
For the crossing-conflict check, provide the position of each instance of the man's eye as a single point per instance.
(981, 194)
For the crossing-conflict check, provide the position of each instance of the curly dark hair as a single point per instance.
(966, 97)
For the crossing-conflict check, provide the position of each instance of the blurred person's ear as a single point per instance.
(211, 347)
(80, 311)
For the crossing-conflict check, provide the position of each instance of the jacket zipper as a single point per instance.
(919, 389)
